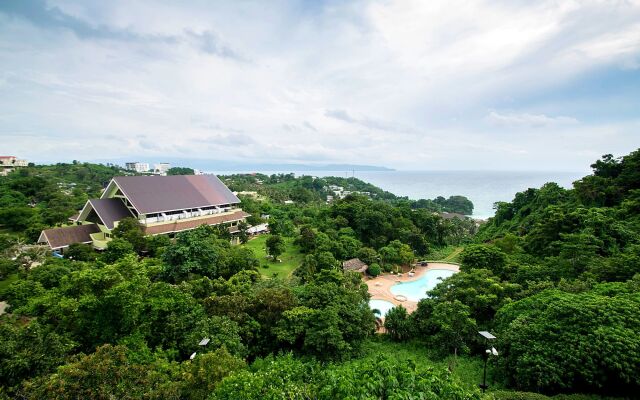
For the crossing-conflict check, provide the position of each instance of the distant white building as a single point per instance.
(257, 229)
(161, 168)
(8, 163)
(137, 166)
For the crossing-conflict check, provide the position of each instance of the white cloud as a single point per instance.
(398, 83)
(528, 120)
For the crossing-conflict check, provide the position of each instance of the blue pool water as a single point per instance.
(416, 290)
(382, 305)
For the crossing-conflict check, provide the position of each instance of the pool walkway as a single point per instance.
(380, 287)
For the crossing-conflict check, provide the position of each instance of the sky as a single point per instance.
(416, 85)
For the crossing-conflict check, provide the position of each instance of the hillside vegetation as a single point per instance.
(554, 275)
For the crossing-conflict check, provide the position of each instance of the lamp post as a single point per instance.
(488, 352)
(202, 343)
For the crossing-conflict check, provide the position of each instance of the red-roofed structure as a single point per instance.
(162, 205)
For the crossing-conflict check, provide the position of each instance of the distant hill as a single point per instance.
(223, 165)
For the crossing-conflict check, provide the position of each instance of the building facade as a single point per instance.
(9, 163)
(137, 166)
(161, 168)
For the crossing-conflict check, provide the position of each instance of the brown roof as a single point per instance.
(154, 194)
(355, 264)
(110, 210)
(63, 237)
(448, 215)
(177, 226)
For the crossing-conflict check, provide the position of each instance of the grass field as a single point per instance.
(446, 254)
(290, 259)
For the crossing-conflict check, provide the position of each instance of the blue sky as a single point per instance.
(543, 85)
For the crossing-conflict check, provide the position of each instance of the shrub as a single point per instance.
(398, 324)
(510, 395)
(374, 270)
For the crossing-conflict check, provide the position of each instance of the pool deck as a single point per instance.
(380, 287)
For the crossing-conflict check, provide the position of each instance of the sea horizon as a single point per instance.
(482, 187)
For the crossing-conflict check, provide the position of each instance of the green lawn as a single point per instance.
(446, 254)
(290, 259)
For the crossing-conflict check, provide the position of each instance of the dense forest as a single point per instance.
(554, 275)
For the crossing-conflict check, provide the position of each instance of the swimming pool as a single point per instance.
(417, 290)
(381, 305)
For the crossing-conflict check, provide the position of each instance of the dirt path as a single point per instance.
(454, 254)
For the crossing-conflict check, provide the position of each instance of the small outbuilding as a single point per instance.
(355, 264)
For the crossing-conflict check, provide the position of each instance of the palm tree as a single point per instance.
(378, 315)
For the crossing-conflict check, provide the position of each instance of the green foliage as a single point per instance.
(558, 329)
(382, 377)
(480, 290)
(200, 252)
(80, 252)
(275, 246)
(289, 260)
(105, 374)
(131, 231)
(37, 197)
(7, 268)
(180, 171)
(511, 395)
(332, 320)
(452, 326)
(396, 253)
(374, 270)
(398, 324)
(116, 250)
(483, 256)
(368, 255)
(28, 350)
(206, 371)
(558, 341)
(455, 204)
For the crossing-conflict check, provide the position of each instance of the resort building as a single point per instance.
(161, 168)
(162, 205)
(9, 163)
(137, 166)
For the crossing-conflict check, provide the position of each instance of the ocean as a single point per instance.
(483, 188)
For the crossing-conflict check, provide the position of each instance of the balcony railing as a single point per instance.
(186, 215)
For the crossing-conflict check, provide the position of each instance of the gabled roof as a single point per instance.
(110, 210)
(448, 215)
(155, 194)
(63, 237)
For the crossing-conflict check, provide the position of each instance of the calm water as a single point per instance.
(417, 290)
(381, 305)
(483, 188)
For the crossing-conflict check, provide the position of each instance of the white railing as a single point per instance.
(186, 215)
